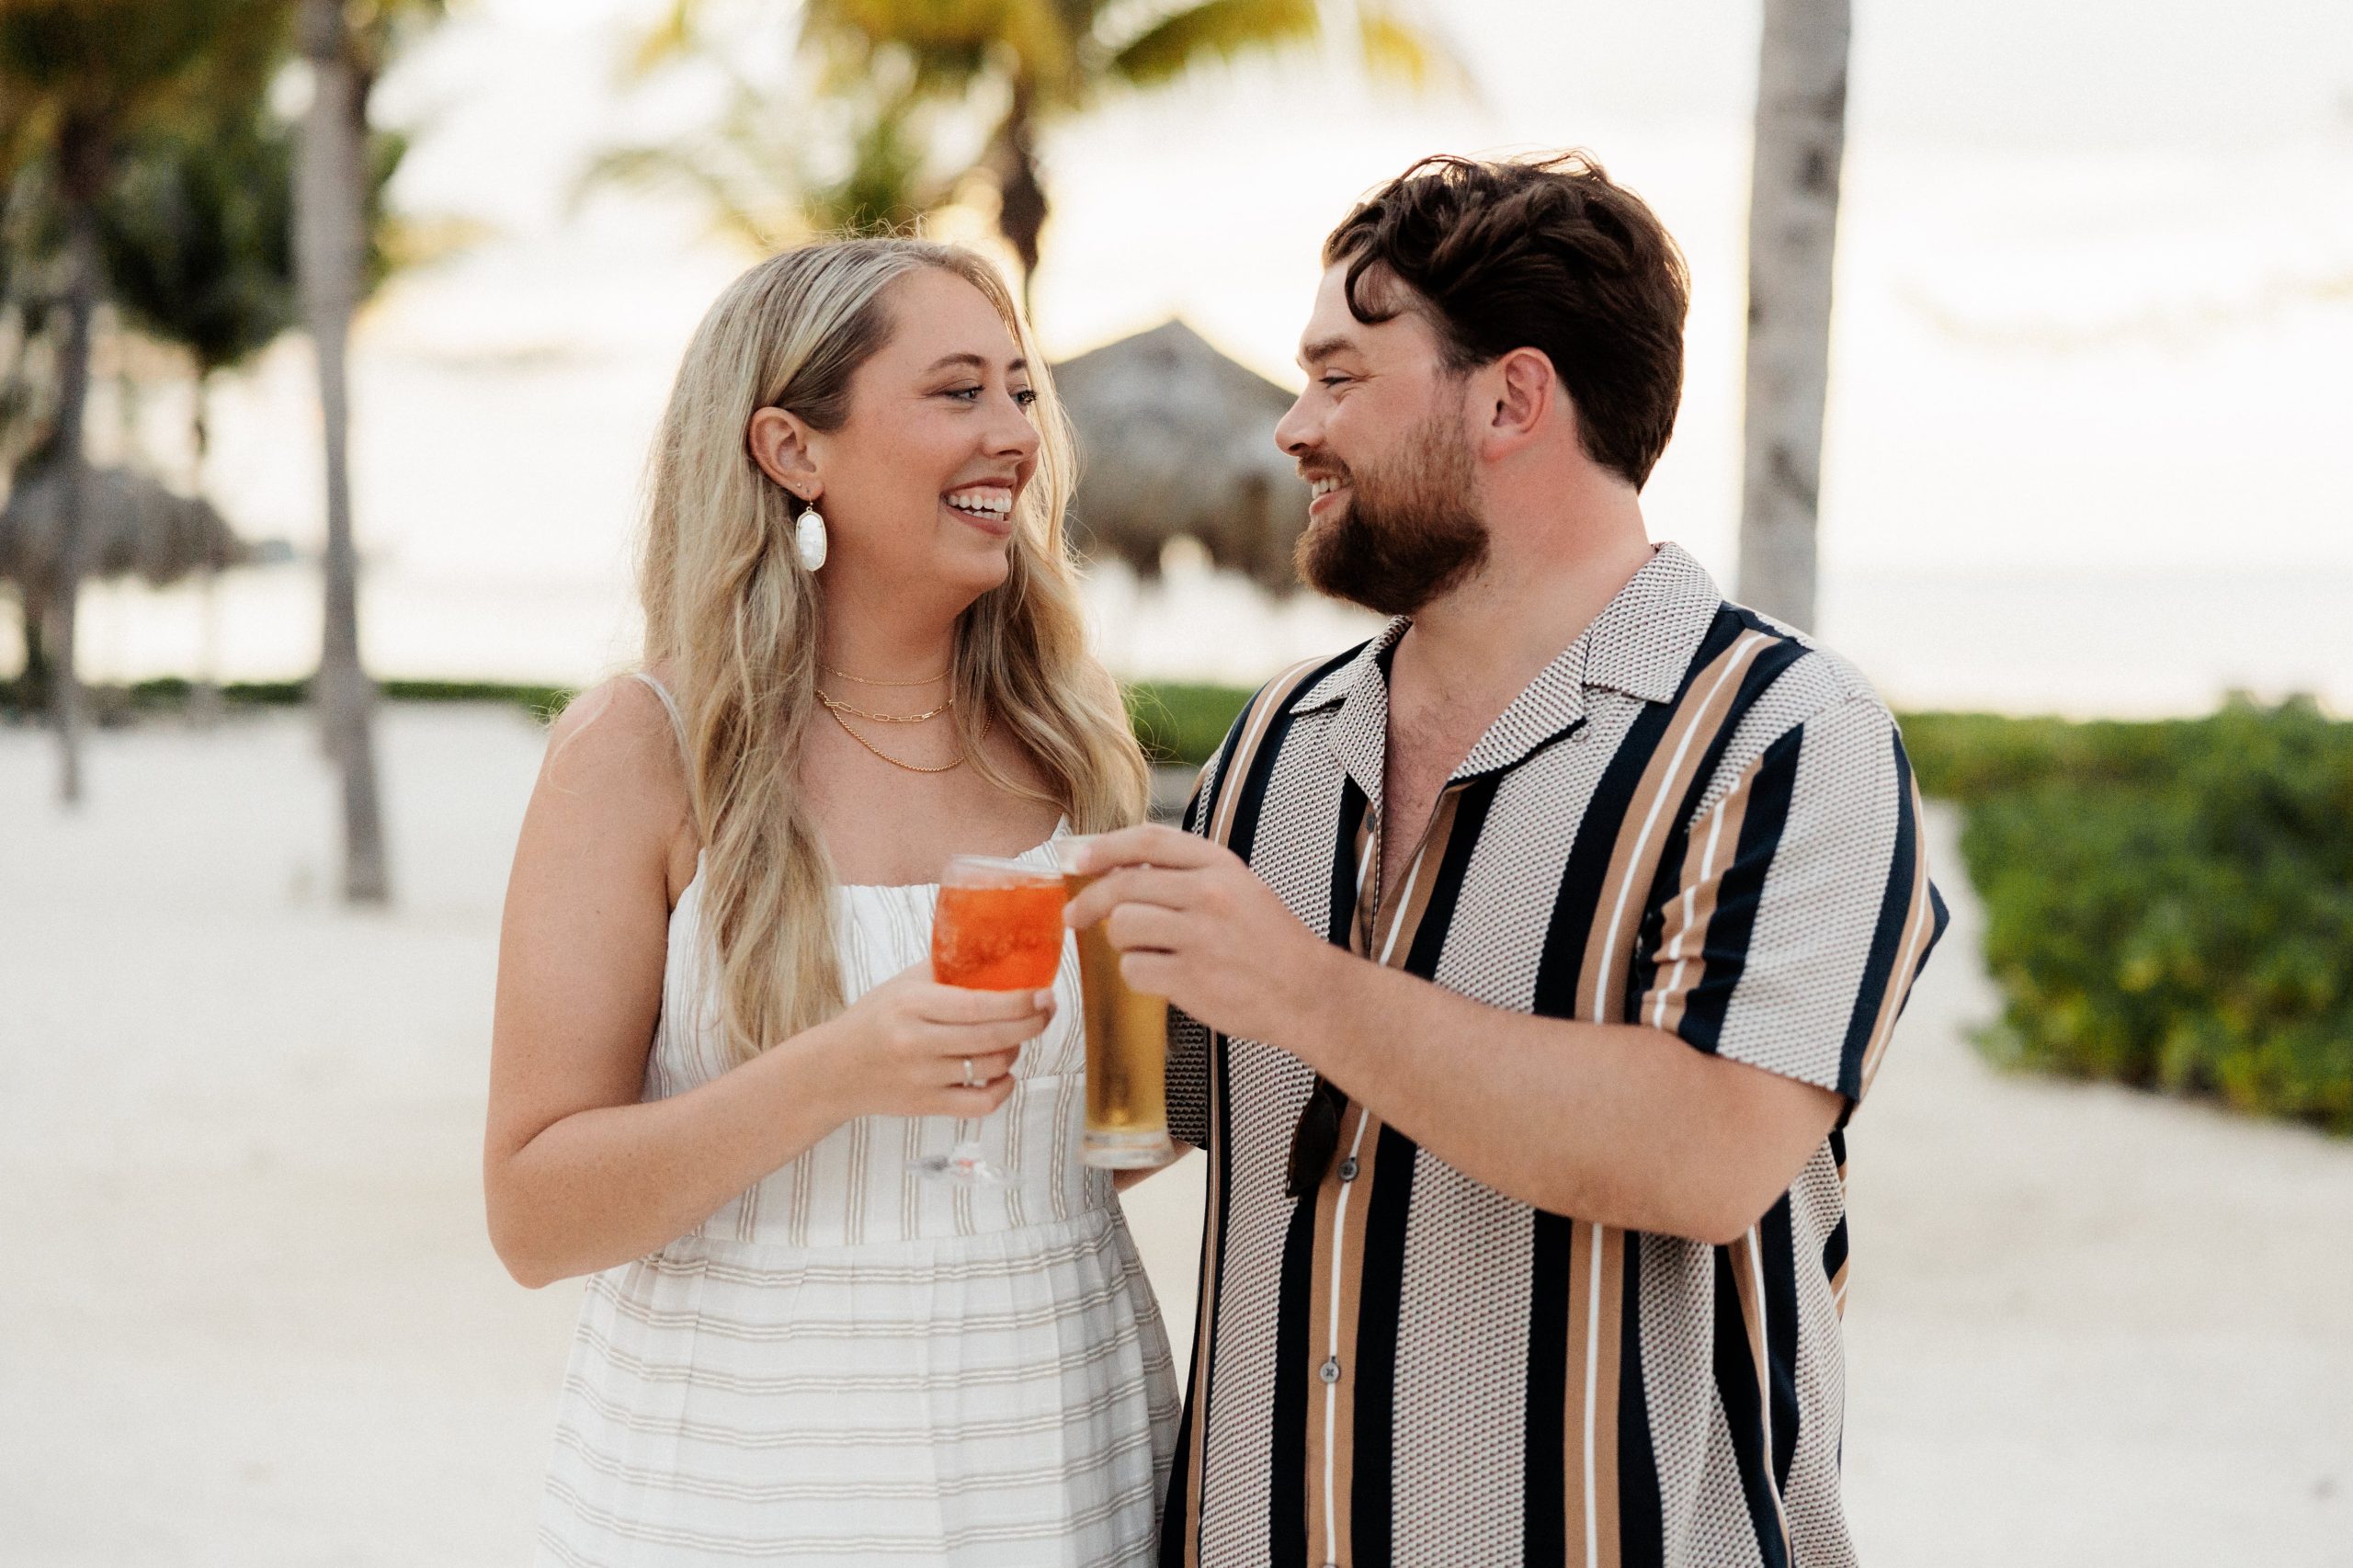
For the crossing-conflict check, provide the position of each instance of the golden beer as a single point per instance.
(1127, 1058)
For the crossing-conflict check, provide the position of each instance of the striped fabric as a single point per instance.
(849, 1363)
(1696, 819)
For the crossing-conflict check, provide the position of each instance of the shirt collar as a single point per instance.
(1640, 644)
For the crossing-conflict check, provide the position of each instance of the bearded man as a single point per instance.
(1529, 961)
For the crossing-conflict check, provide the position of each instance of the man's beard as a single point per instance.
(1407, 530)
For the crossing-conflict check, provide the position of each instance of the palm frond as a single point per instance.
(1397, 49)
(1215, 29)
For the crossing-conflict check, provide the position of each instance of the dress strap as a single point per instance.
(670, 706)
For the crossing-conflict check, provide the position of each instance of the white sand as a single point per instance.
(251, 1318)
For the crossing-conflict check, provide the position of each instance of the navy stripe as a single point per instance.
(1544, 1520)
(1176, 1505)
(1887, 936)
(1724, 948)
(1472, 801)
(1641, 1522)
(1735, 1371)
(1342, 925)
(1576, 905)
(1834, 1249)
(1294, 1370)
(1381, 1294)
(1666, 882)
(1778, 1259)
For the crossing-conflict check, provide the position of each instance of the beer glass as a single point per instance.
(998, 927)
(1127, 1057)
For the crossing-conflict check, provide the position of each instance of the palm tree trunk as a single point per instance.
(328, 239)
(1022, 190)
(1792, 228)
(81, 156)
(204, 693)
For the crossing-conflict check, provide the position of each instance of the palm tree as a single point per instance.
(81, 76)
(1051, 58)
(347, 43)
(1793, 230)
(199, 250)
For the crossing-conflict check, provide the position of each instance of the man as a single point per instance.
(1528, 960)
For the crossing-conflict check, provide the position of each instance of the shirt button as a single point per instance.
(1348, 1168)
(1330, 1370)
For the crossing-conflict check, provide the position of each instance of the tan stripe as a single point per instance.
(1204, 1319)
(1610, 1353)
(1683, 939)
(1746, 1258)
(1400, 925)
(1276, 697)
(1572, 1390)
(1919, 921)
(1642, 833)
(1838, 1286)
(1347, 1231)
(1237, 770)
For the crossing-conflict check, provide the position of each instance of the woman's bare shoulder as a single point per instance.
(613, 757)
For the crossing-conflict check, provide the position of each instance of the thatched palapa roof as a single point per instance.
(1176, 439)
(131, 526)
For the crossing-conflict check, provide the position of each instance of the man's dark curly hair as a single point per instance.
(1544, 254)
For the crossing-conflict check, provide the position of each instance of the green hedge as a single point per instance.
(2167, 905)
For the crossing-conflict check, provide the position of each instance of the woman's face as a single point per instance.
(919, 482)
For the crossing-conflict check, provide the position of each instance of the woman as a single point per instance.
(718, 1048)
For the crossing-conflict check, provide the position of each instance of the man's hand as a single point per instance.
(1198, 926)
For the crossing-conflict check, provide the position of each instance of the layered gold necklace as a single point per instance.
(837, 707)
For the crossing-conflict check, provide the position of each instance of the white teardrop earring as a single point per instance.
(809, 538)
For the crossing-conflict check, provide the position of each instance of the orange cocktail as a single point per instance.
(998, 926)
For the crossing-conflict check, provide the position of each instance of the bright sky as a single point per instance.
(2095, 308)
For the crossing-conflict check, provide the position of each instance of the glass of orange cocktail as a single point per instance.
(998, 927)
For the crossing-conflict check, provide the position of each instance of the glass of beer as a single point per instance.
(998, 927)
(1127, 1058)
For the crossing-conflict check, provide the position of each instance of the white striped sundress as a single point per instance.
(849, 1363)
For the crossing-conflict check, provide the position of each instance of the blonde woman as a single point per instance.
(718, 1049)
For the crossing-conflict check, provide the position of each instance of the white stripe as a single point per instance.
(1592, 1391)
(1748, 644)
(1691, 902)
(1332, 1347)
(1902, 975)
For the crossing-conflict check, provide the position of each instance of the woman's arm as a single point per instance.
(577, 1174)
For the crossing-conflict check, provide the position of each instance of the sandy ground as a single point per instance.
(251, 1318)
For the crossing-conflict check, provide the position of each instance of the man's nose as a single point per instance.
(1295, 432)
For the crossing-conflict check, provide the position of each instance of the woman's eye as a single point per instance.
(969, 394)
(1025, 397)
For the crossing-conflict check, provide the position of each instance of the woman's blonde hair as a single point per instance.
(733, 616)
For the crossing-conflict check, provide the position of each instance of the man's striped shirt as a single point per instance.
(1693, 819)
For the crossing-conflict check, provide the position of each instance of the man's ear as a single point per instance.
(779, 441)
(1525, 394)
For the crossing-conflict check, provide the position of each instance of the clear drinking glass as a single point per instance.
(1127, 1058)
(998, 927)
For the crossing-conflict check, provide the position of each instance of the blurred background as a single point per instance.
(331, 339)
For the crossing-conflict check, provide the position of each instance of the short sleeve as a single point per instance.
(1802, 910)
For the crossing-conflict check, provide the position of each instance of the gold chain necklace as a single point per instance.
(839, 707)
(862, 680)
(893, 761)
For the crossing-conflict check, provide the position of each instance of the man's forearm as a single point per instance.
(1613, 1124)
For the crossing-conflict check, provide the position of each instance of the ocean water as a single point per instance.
(2068, 640)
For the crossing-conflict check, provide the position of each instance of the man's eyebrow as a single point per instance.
(1313, 354)
(973, 362)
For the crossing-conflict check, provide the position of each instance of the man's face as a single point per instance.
(1380, 433)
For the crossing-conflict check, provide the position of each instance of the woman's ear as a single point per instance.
(780, 442)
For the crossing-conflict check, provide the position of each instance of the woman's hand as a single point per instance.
(913, 1047)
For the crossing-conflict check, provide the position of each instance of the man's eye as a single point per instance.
(1333, 380)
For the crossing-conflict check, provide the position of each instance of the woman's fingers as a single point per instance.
(974, 1103)
(960, 1005)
